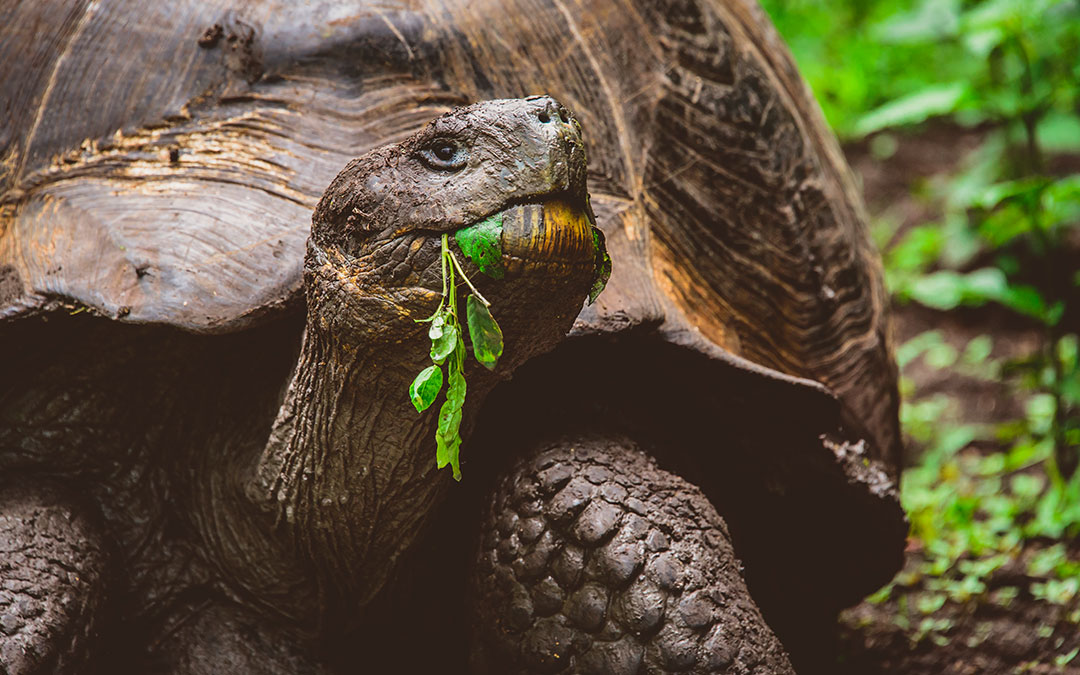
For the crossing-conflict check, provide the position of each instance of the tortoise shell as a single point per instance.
(161, 161)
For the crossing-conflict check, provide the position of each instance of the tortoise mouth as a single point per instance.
(555, 235)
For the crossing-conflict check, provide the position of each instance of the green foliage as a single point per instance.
(426, 387)
(980, 495)
(482, 243)
(448, 347)
(918, 107)
(890, 63)
(487, 337)
(444, 334)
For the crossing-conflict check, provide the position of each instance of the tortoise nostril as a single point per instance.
(564, 116)
(544, 117)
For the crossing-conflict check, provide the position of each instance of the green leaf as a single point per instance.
(449, 452)
(447, 436)
(425, 387)
(996, 193)
(1062, 660)
(1061, 202)
(1027, 300)
(444, 344)
(482, 243)
(1058, 132)
(919, 248)
(982, 41)
(932, 20)
(934, 100)
(601, 267)
(1026, 485)
(942, 290)
(486, 336)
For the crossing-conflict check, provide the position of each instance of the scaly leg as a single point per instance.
(594, 560)
(51, 581)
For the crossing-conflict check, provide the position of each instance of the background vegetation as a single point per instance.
(994, 86)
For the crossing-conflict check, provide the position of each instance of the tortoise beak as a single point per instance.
(556, 235)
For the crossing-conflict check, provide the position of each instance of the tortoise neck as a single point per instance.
(345, 472)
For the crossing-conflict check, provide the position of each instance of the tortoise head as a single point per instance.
(374, 263)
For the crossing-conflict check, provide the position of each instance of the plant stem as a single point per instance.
(1030, 118)
(445, 251)
(457, 266)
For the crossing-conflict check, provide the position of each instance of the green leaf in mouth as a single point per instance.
(486, 336)
(426, 387)
(601, 266)
(482, 243)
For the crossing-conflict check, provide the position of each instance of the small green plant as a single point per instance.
(448, 344)
(1001, 240)
(1063, 660)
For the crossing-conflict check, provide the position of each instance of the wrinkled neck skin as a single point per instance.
(343, 486)
(347, 478)
(348, 475)
(310, 526)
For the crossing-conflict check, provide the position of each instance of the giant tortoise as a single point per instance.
(209, 458)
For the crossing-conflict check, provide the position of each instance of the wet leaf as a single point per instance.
(438, 323)
(444, 345)
(482, 243)
(426, 387)
(486, 336)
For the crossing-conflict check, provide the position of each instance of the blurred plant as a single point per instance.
(879, 64)
(1007, 236)
(1003, 215)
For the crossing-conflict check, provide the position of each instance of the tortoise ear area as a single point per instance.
(356, 202)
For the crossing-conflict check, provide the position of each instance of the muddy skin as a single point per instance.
(52, 563)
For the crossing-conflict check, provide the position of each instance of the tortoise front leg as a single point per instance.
(594, 560)
(52, 581)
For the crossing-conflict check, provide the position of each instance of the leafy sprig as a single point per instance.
(448, 350)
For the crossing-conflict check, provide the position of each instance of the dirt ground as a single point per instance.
(1024, 635)
(988, 635)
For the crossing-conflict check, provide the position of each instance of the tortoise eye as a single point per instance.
(444, 155)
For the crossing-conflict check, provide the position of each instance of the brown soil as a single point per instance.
(991, 634)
